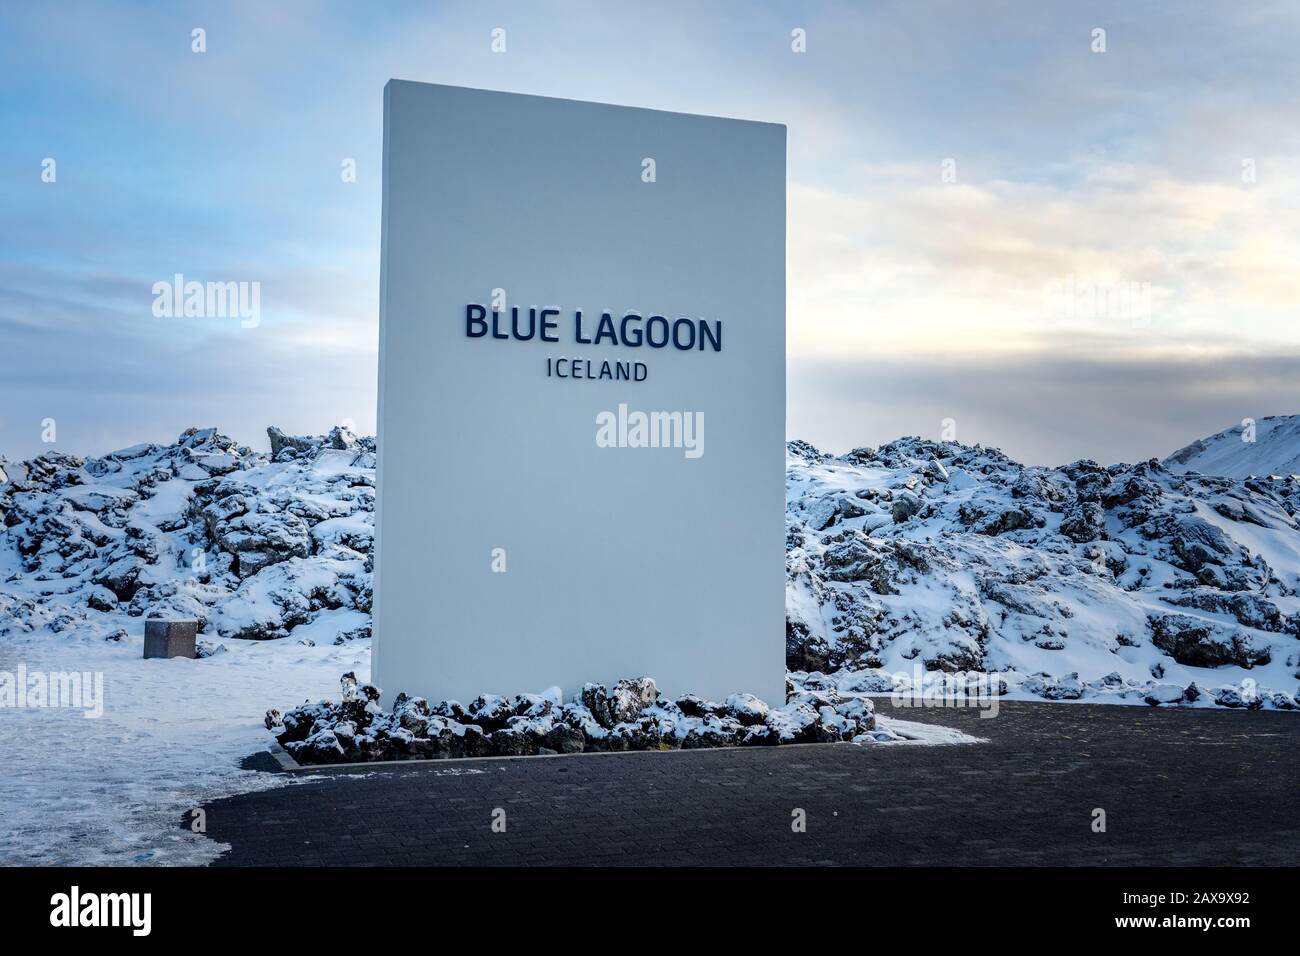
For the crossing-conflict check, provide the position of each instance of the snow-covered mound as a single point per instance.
(252, 546)
(917, 556)
(922, 556)
(1270, 446)
(632, 715)
(1135, 584)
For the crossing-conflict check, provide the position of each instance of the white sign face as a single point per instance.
(582, 398)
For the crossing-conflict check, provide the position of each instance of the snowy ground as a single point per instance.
(1129, 584)
(112, 790)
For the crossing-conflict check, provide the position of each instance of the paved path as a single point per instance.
(1179, 787)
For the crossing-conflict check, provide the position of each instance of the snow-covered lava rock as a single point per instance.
(250, 545)
(945, 557)
(632, 715)
(915, 556)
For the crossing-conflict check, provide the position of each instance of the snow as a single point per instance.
(326, 626)
(114, 790)
(1274, 450)
(914, 556)
(895, 731)
(976, 572)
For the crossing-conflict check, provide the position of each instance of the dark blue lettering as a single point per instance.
(474, 318)
(606, 329)
(627, 338)
(496, 333)
(532, 324)
(714, 337)
(650, 325)
(549, 326)
(677, 334)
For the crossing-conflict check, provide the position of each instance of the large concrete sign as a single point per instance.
(581, 397)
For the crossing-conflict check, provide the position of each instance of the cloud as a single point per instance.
(89, 353)
(1116, 168)
(911, 265)
(1043, 408)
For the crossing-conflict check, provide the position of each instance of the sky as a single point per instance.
(1003, 226)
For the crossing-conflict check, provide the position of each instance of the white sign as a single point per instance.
(582, 398)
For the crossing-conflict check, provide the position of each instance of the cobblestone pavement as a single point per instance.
(1179, 787)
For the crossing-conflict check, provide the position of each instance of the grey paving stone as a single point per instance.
(1179, 787)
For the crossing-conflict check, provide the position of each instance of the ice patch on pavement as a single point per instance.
(891, 730)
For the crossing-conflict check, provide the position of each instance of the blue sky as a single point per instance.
(912, 298)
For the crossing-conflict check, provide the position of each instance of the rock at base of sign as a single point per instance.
(170, 638)
(632, 715)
